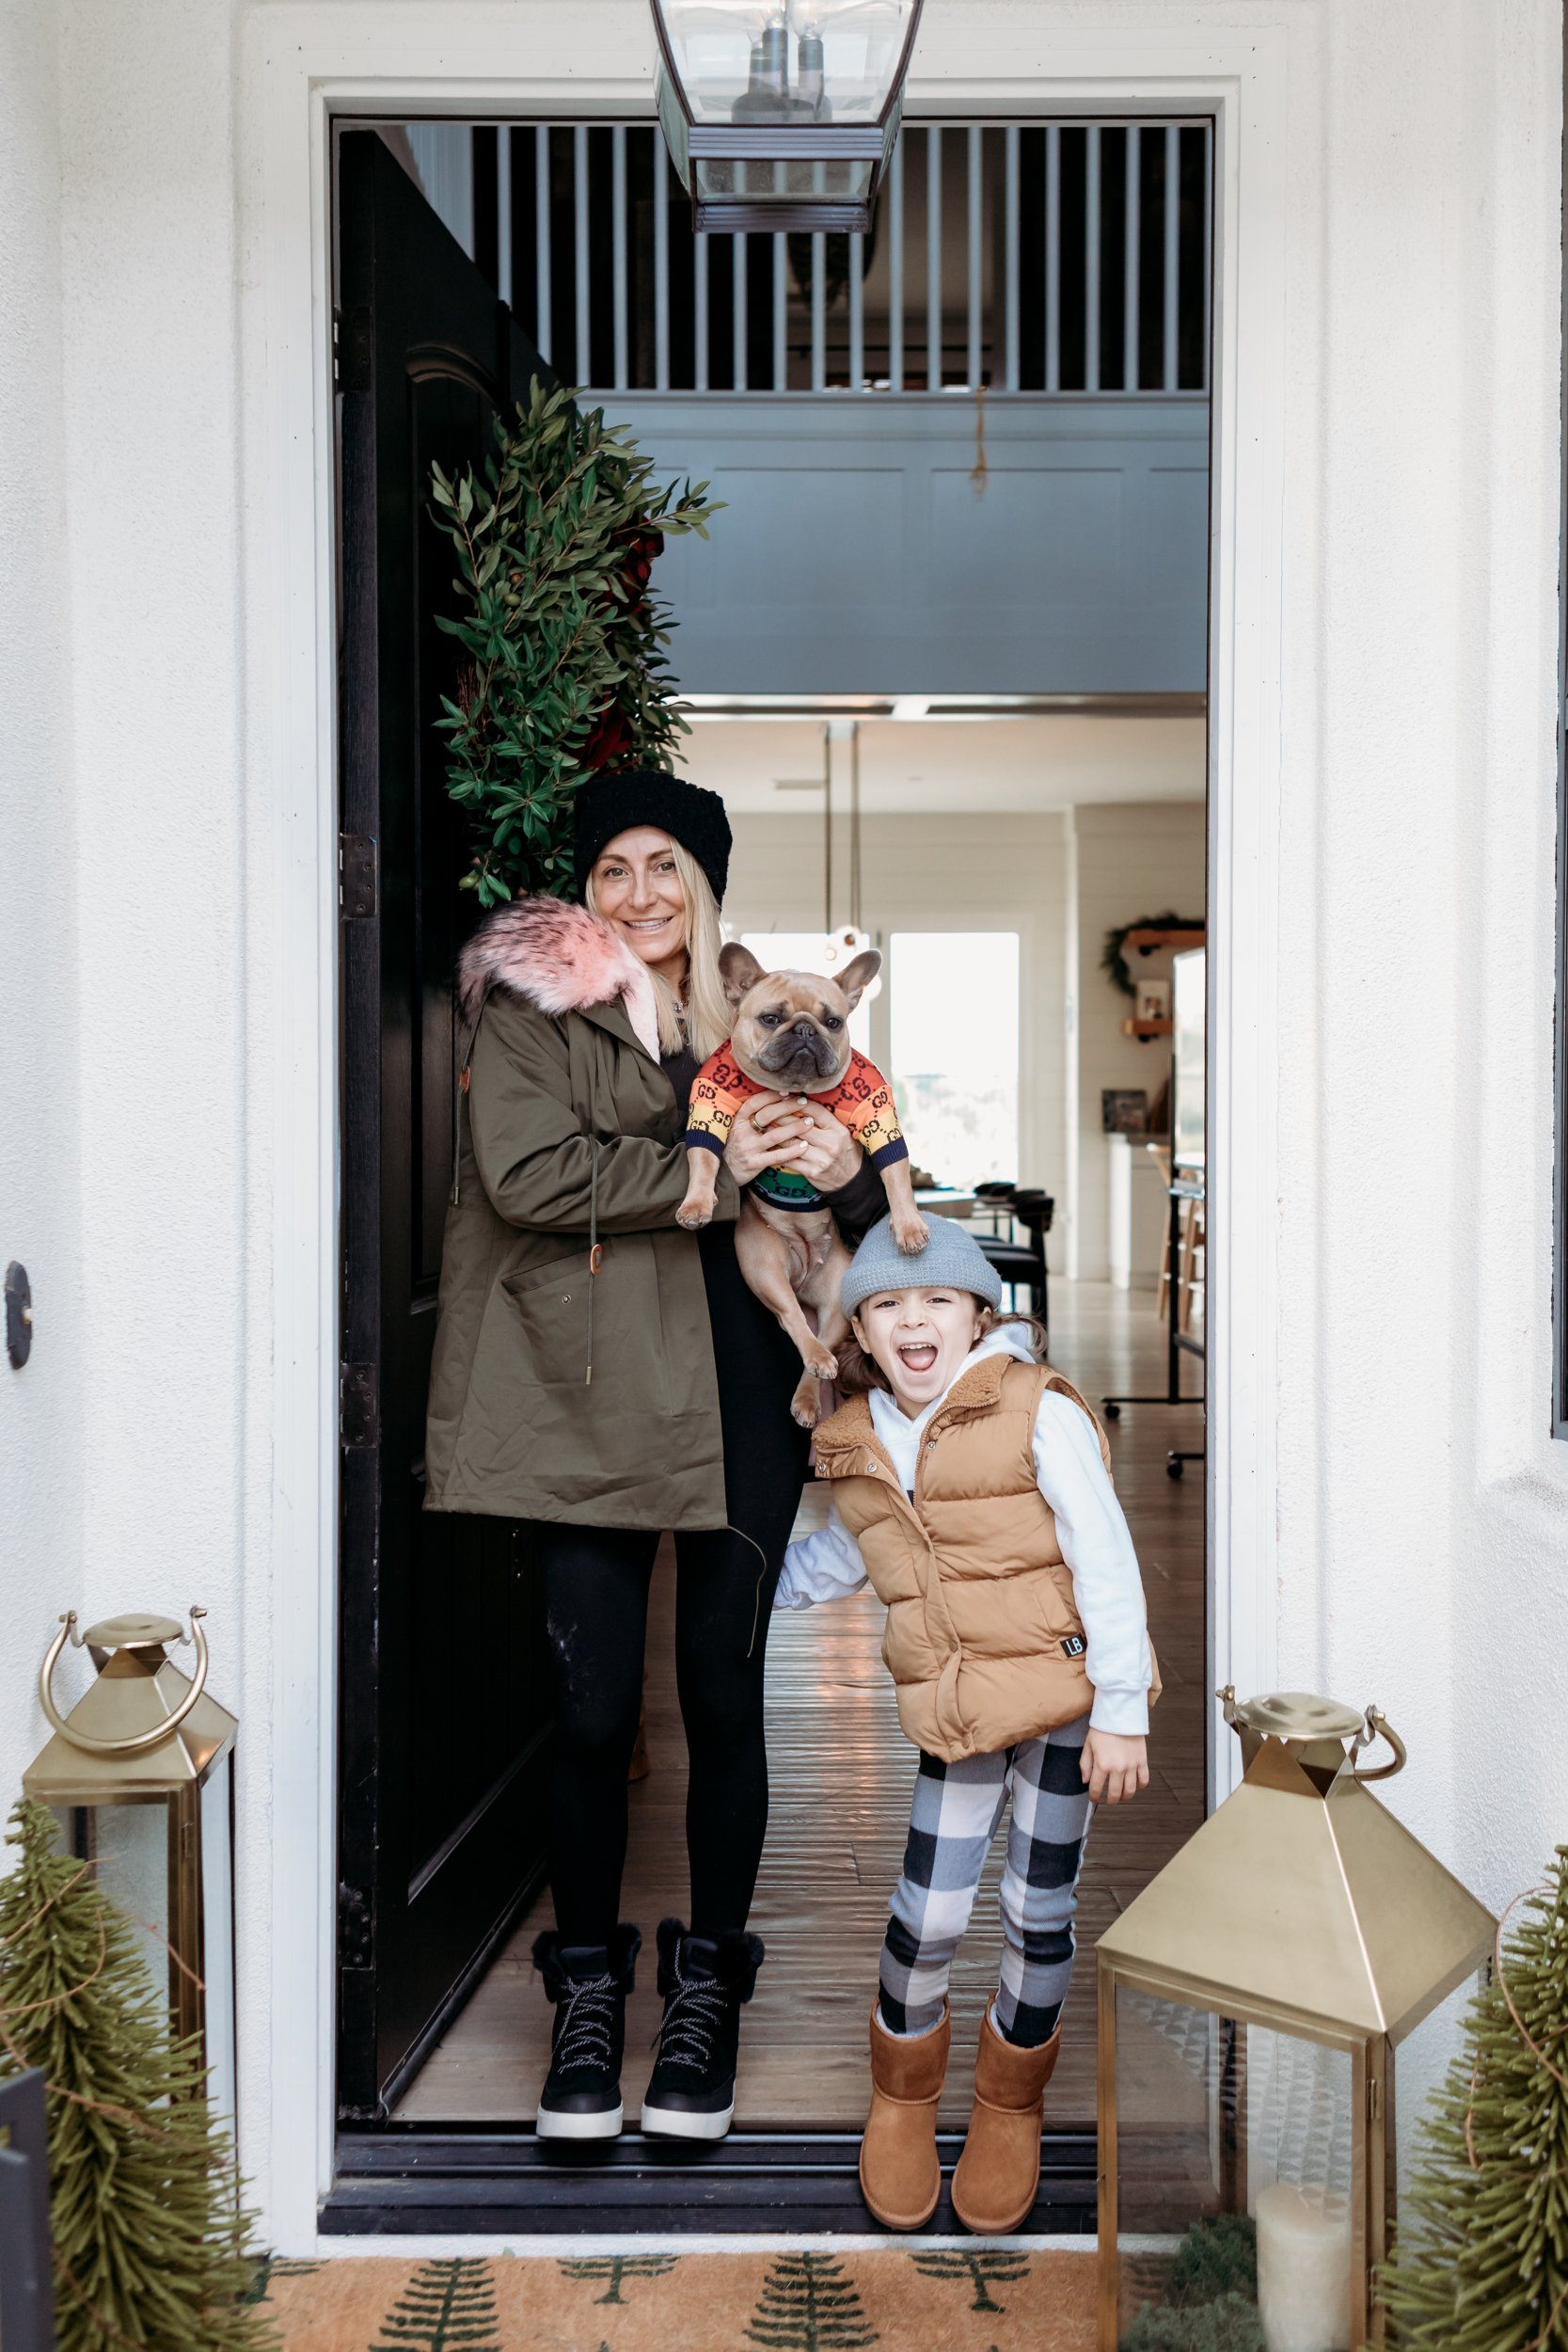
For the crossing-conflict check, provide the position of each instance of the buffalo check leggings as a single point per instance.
(953, 1819)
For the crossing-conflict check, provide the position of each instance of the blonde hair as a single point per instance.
(703, 1022)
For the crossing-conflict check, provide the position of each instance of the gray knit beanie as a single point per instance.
(950, 1257)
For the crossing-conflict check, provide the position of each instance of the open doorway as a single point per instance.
(1035, 808)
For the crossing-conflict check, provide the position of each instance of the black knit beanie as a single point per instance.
(607, 805)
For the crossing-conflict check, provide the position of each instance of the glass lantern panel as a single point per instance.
(129, 1844)
(724, 179)
(1235, 2148)
(808, 61)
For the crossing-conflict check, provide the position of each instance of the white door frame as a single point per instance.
(302, 61)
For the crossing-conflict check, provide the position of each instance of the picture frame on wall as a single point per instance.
(1124, 1111)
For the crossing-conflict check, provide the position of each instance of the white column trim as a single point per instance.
(305, 60)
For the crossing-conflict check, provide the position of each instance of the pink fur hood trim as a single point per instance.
(563, 959)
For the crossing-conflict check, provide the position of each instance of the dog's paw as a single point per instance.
(693, 1218)
(911, 1236)
(806, 1406)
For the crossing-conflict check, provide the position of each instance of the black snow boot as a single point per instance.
(588, 1983)
(705, 1980)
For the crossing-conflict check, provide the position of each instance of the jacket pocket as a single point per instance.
(549, 1313)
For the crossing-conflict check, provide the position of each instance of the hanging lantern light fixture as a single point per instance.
(782, 114)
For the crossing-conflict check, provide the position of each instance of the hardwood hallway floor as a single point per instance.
(841, 1774)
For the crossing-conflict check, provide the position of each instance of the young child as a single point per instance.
(971, 1485)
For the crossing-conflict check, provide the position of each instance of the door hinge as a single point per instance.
(357, 870)
(358, 1406)
(354, 349)
(356, 1927)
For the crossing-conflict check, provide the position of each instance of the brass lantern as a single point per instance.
(782, 114)
(140, 1773)
(1250, 2001)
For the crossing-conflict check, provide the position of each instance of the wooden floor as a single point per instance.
(841, 1773)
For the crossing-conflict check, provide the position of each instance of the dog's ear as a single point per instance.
(739, 969)
(858, 976)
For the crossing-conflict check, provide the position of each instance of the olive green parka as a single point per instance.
(567, 1133)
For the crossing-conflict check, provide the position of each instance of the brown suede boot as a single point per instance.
(900, 2177)
(999, 2171)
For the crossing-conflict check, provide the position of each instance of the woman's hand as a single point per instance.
(824, 1151)
(1114, 1766)
(767, 1133)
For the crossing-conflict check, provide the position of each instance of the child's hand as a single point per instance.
(1114, 1766)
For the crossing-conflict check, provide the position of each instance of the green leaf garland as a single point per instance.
(565, 673)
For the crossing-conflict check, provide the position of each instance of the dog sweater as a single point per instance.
(862, 1101)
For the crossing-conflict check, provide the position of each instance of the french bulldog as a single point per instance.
(791, 1036)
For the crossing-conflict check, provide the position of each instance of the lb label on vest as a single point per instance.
(1073, 1645)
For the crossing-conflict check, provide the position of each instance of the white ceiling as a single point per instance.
(934, 766)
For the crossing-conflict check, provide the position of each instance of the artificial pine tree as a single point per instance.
(144, 2202)
(564, 673)
(979, 2269)
(808, 2304)
(618, 2267)
(446, 2307)
(1480, 2257)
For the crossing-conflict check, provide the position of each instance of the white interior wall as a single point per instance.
(932, 874)
(1133, 858)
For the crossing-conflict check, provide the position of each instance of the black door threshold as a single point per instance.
(481, 2184)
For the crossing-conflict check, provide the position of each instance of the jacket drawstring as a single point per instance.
(463, 1059)
(595, 1256)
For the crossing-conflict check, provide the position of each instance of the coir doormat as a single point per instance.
(811, 2299)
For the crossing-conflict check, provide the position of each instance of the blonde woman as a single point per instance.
(609, 1405)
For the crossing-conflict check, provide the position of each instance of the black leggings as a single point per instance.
(597, 1601)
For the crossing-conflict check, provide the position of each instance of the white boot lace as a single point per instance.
(587, 2023)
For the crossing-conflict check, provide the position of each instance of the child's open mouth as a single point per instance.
(919, 1357)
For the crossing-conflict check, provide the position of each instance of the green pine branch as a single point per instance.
(148, 2233)
(565, 672)
(1480, 2258)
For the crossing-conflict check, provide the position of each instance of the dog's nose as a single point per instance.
(806, 1030)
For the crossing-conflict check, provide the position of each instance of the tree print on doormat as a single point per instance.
(446, 2307)
(272, 2266)
(618, 2267)
(809, 2304)
(980, 2270)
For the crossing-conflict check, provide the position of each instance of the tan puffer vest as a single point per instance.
(984, 1641)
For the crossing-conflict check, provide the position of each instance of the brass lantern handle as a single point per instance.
(1378, 1727)
(143, 1740)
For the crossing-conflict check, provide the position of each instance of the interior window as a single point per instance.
(954, 1005)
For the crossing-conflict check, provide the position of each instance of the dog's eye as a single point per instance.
(831, 1021)
(770, 1020)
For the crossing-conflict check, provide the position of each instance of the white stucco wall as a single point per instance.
(133, 1146)
(41, 1219)
(155, 786)
(1422, 1504)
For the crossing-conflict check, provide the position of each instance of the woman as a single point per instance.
(610, 1406)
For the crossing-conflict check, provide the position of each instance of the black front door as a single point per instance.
(444, 1682)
